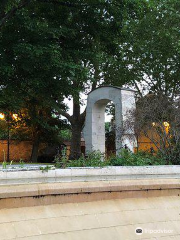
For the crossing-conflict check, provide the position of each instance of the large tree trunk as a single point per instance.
(77, 120)
(77, 124)
(35, 148)
(76, 141)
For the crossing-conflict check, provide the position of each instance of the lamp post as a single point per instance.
(8, 137)
(2, 117)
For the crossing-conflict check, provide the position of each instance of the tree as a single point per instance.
(9, 9)
(61, 48)
(152, 56)
(98, 32)
(30, 61)
(158, 119)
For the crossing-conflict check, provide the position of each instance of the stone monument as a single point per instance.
(94, 130)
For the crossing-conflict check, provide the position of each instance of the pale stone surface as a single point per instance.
(18, 196)
(99, 220)
(32, 190)
(94, 131)
(102, 210)
(90, 174)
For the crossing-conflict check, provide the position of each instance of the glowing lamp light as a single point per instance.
(2, 116)
(166, 124)
(15, 116)
(154, 124)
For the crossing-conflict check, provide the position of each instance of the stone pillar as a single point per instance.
(94, 130)
(128, 105)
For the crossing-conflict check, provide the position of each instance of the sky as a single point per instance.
(84, 97)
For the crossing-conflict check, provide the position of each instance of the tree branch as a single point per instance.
(66, 115)
(136, 85)
(13, 11)
(74, 5)
(24, 3)
(65, 4)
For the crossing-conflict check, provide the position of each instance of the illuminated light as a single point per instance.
(2, 116)
(154, 124)
(15, 116)
(166, 124)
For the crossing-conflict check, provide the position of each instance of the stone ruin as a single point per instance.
(94, 130)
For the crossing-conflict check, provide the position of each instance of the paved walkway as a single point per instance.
(99, 220)
(100, 210)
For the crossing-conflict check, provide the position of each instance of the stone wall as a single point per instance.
(18, 150)
(22, 150)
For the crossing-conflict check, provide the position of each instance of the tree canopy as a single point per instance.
(54, 49)
(152, 55)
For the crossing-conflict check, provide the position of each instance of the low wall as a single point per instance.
(35, 188)
(56, 193)
(89, 174)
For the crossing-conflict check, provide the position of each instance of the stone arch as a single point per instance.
(94, 130)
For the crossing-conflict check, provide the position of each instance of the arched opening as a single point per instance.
(110, 129)
(94, 131)
(98, 128)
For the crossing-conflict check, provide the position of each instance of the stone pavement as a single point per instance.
(114, 219)
(100, 210)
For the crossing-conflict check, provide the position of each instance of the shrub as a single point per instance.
(128, 158)
(173, 156)
(60, 161)
(93, 159)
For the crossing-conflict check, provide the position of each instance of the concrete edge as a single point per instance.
(87, 171)
(49, 189)
(89, 174)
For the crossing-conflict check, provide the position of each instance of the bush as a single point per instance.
(93, 159)
(128, 158)
(60, 161)
(173, 156)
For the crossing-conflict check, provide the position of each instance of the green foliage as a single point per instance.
(128, 158)
(93, 159)
(61, 161)
(3, 129)
(52, 49)
(107, 127)
(65, 134)
(30, 61)
(45, 169)
(152, 55)
(21, 163)
(4, 164)
(17, 130)
(172, 155)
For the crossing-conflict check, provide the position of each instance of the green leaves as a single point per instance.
(152, 50)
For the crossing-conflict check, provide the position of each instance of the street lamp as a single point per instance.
(2, 117)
